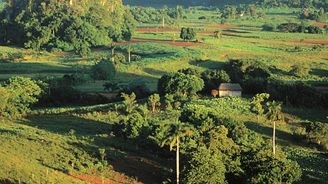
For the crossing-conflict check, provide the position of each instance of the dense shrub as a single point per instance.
(317, 133)
(297, 94)
(103, 70)
(299, 28)
(190, 71)
(204, 167)
(152, 15)
(180, 84)
(138, 86)
(269, 27)
(16, 96)
(135, 126)
(213, 79)
(187, 34)
(52, 25)
(261, 166)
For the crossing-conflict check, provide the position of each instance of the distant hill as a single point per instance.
(160, 3)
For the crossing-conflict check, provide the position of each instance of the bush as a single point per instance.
(17, 95)
(103, 70)
(187, 34)
(204, 167)
(139, 87)
(317, 133)
(190, 71)
(180, 84)
(119, 58)
(269, 27)
(135, 126)
(213, 79)
(261, 166)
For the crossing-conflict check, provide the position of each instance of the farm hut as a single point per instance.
(230, 89)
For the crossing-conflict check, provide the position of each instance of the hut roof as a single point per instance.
(230, 87)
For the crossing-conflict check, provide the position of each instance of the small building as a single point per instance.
(230, 90)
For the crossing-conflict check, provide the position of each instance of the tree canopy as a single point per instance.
(70, 25)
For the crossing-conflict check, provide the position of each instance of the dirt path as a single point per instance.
(319, 24)
(315, 42)
(170, 42)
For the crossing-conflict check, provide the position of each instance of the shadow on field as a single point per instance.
(123, 155)
(278, 71)
(152, 71)
(319, 72)
(66, 125)
(283, 138)
(32, 68)
(207, 64)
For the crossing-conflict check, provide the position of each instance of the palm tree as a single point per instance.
(173, 133)
(274, 114)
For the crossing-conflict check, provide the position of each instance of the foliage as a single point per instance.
(170, 134)
(139, 87)
(297, 94)
(262, 166)
(103, 70)
(190, 71)
(274, 111)
(17, 95)
(213, 79)
(204, 167)
(258, 103)
(269, 27)
(299, 28)
(180, 84)
(152, 15)
(129, 102)
(133, 127)
(317, 133)
(154, 102)
(48, 25)
(187, 34)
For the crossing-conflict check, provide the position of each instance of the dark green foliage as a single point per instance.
(187, 34)
(103, 70)
(59, 91)
(261, 166)
(269, 27)
(235, 69)
(288, 27)
(297, 94)
(230, 12)
(257, 70)
(317, 133)
(152, 15)
(299, 28)
(139, 87)
(293, 3)
(17, 95)
(52, 25)
(180, 84)
(204, 167)
(190, 71)
(213, 79)
(135, 126)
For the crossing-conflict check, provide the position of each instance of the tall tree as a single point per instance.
(173, 133)
(274, 114)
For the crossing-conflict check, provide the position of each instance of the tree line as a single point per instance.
(70, 25)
